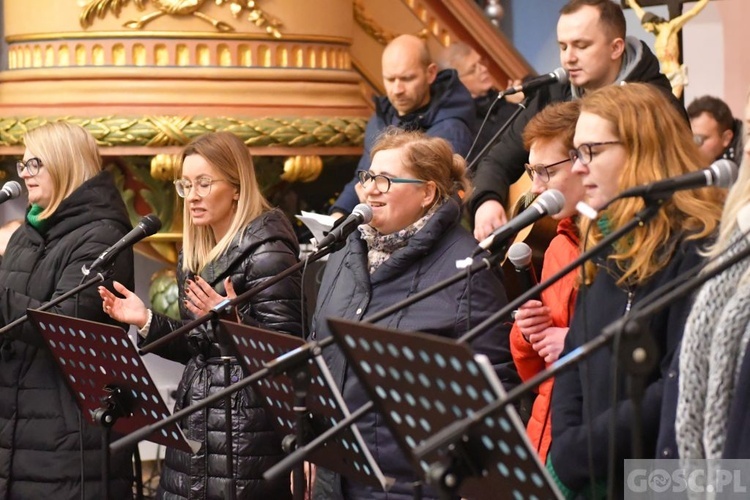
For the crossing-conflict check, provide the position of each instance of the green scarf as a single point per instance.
(34, 220)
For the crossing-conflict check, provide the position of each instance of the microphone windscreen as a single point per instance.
(150, 224)
(726, 172)
(13, 188)
(364, 210)
(519, 255)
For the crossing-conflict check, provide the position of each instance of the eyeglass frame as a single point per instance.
(531, 170)
(574, 153)
(26, 165)
(179, 184)
(390, 180)
(474, 68)
(699, 139)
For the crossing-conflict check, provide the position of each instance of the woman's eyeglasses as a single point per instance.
(32, 166)
(202, 186)
(541, 170)
(383, 183)
(584, 152)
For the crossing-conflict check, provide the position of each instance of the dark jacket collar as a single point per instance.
(448, 99)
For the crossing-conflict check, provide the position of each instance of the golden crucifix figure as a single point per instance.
(667, 46)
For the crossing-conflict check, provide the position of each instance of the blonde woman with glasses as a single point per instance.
(232, 241)
(47, 448)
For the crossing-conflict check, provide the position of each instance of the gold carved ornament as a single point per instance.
(256, 15)
(162, 131)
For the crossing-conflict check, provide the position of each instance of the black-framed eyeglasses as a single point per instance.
(585, 152)
(382, 182)
(202, 186)
(32, 166)
(541, 170)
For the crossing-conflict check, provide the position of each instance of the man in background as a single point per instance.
(717, 133)
(472, 70)
(418, 97)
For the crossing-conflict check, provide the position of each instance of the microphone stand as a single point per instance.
(100, 277)
(630, 325)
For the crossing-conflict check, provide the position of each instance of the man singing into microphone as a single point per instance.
(596, 53)
(538, 333)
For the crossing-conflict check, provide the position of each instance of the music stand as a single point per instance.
(108, 380)
(346, 453)
(421, 384)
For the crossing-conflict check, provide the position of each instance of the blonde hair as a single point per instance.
(429, 159)
(659, 145)
(228, 154)
(738, 197)
(70, 155)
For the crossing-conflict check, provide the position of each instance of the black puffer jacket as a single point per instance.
(349, 291)
(40, 443)
(265, 248)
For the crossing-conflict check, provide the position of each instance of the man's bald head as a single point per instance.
(408, 72)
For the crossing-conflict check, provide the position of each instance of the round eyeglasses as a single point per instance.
(584, 152)
(32, 166)
(202, 186)
(541, 170)
(383, 183)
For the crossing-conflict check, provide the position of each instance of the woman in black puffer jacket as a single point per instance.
(232, 241)
(47, 448)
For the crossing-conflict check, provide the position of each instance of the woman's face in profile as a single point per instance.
(39, 185)
(404, 203)
(601, 159)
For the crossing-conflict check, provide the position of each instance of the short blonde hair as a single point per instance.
(70, 155)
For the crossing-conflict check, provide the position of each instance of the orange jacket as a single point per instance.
(560, 298)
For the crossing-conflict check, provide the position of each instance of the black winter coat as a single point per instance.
(503, 164)
(588, 383)
(349, 291)
(265, 248)
(40, 442)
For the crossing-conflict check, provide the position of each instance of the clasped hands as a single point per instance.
(535, 323)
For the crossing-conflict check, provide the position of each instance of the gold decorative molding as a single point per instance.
(302, 168)
(430, 21)
(370, 26)
(164, 166)
(136, 52)
(165, 131)
(181, 8)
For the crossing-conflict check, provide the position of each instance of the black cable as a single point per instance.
(302, 298)
(481, 127)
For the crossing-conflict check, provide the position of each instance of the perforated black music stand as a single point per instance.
(108, 379)
(346, 453)
(421, 384)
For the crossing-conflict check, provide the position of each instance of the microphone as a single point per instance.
(11, 189)
(148, 225)
(519, 255)
(721, 173)
(549, 202)
(362, 214)
(559, 75)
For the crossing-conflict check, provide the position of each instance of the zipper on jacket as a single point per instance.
(629, 303)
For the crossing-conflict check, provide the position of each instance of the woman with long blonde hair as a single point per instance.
(232, 241)
(626, 136)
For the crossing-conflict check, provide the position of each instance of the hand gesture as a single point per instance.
(201, 298)
(128, 309)
(533, 317)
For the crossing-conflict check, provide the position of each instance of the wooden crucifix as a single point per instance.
(668, 33)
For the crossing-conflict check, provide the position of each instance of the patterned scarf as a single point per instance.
(381, 246)
(716, 335)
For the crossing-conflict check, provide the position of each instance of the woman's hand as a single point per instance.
(128, 309)
(549, 343)
(201, 298)
(533, 317)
